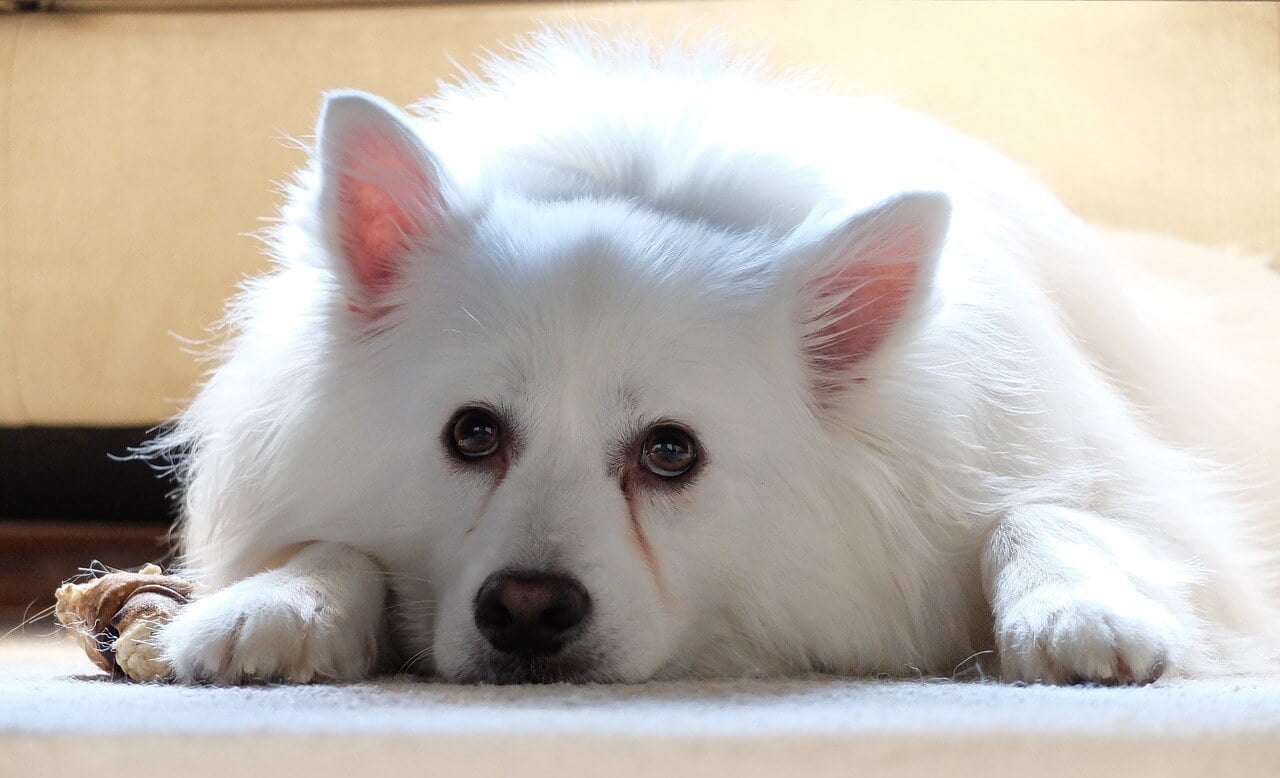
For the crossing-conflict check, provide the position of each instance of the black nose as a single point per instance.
(530, 614)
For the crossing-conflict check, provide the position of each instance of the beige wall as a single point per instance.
(137, 149)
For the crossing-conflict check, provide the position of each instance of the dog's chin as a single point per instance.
(502, 669)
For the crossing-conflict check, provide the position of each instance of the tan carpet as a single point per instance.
(58, 716)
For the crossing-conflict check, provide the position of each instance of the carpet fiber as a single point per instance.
(57, 714)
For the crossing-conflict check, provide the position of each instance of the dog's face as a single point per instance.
(582, 452)
(591, 420)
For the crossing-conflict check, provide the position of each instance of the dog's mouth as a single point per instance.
(504, 669)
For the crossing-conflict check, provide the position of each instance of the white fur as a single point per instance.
(631, 238)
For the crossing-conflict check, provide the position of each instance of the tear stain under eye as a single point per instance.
(641, 540)
(484, 507)
(499, 474)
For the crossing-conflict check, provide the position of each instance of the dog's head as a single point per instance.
(598, 427)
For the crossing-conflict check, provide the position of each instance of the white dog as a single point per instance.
(618, 365)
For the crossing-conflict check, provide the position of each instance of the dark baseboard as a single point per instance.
(66, 501)
(37, 556)
(76, 474)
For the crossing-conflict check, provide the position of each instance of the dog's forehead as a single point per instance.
(607, 283)
(591, 384)
(612, 260)
(600, 319)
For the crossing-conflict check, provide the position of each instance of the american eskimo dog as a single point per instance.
(614, 364)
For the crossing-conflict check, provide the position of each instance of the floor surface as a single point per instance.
(58, 712)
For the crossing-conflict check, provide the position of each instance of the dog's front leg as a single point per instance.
(318, 616)
(1079, 599)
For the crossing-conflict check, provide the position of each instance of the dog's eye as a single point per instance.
(475, 433)
(668, 452)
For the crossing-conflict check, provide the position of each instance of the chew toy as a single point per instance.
(114, 617)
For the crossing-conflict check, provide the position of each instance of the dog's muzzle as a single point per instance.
(531, 619)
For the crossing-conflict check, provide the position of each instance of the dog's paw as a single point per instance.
(270, 627)
(1055, 635)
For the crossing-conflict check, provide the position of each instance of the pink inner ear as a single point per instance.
(867, 283)
(385, 202)
(869, 301)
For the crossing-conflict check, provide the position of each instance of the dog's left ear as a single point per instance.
(381, 193)
(867, 280)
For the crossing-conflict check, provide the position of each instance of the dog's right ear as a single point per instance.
(381, 192)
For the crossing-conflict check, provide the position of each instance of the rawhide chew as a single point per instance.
(114, 617)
